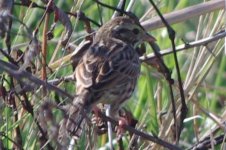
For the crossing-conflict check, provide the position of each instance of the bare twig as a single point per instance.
(130, 5)
(11, 140)
(34, 5)
(184, 14)
(206, 143)
(184, 108)
(44, 47)
(121, 5)
(18, 136)
(201, 42)
(43, 17)
(142, 134)
(62, 79)
(110, 134)
(14, 71)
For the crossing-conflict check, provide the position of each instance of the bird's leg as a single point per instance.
(120, 128)
(109, 125)
(125, 118)
(98, 121)
(96, 117)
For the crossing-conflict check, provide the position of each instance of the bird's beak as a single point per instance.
(149, 38)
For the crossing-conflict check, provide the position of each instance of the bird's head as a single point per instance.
(126, 29)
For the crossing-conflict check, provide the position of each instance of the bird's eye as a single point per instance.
(135, 31)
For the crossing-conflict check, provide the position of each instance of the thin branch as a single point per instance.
(130, 5)
(62, 79)
(10, 59)
(109, 126)
(34, 5)
(121, 5)
(113, 8)
(184, 108)
(9, 139)
(202, 42)
(206, 143)
(19, 74)
(18, 136)
(48, 6)
(44, 50)
(141, 134)
(184, 14)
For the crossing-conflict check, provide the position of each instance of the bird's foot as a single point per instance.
(101, 125)
(126, 118)
(120, 128)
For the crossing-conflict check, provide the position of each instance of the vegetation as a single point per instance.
(31, 110)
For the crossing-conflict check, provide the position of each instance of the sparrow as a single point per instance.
(108, 70)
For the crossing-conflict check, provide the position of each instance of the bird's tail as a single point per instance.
(73, 124)
(76, 120)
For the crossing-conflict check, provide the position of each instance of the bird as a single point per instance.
(108, 70)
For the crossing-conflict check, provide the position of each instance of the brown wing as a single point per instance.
(79, 52)
(102, 68)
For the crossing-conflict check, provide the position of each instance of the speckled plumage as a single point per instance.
(108, 71)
